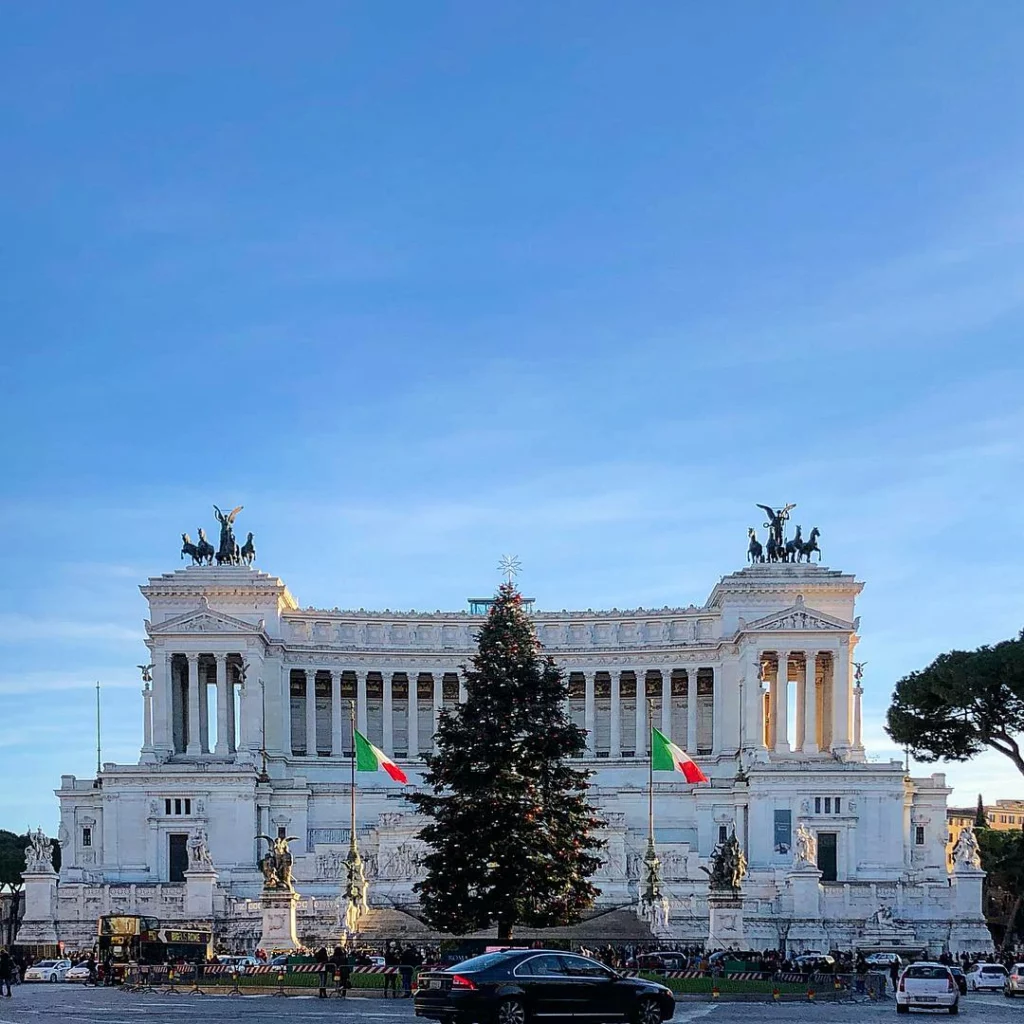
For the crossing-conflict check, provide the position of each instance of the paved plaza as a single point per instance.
(73, 1005)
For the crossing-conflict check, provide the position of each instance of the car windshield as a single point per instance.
(1018, 968)
(931, 973)
(479, 963)
(47, 963)
(993, 969)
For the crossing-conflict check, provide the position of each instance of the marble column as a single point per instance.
(147, 723)
(858, 739)
(810, 703)
(195, 745)
(589, 711)
(798, 725)
(780, 704)
(462, 691)
(438, 704)
(388, 713)
(841, 696)
(311, 712)
(666, 702)
(412, 728)
(222, 748)
(284, 688)
(641, 713)
(691, 710)
(163, 732)
(361, 700)
(716, 709)
(615, 726)
(337, 748)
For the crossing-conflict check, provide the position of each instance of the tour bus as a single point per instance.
(129, 938)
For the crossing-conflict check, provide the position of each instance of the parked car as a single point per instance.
(80, 972)
(665, 960)
(986, 976)
(48, 970)
(960, 978)
(928, 986)
(239, 963)
(518, 985)
(815, 962)
(1014, 981)
(885, 960)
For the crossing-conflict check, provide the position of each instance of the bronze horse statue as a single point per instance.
(755, 553)
(204, 548)
(810, 545)
(248, 552)
(794, 546)
(188, 548)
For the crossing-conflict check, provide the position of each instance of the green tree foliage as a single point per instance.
(511, 833)
(1002, 856)
(12, 856)
(980, 817)
(963, 702)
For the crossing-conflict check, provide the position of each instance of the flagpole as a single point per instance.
(650, 775)
(352, 721)
(99, 756)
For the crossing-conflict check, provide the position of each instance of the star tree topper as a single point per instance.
(509, 566)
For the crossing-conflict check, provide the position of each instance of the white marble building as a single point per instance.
(778, 753)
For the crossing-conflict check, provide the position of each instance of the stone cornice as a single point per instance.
(783, 578)
(218, 581)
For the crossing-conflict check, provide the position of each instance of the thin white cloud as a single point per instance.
(16, 627)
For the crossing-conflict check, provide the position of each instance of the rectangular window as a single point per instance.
(177, 807)
(177, 857)
(828, 805)
(919, 835)
(87, 837)
(167, 806)
(838, 805)
(828, 856)
(817, 805)
(723, 833)
(783, 831)
(188, 806)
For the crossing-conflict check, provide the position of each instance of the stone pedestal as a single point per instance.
(725, 925)
(278, 920)
(38, 926)
(969, 931)
(199, 886)
(803, 887)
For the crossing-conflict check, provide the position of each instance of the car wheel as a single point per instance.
(647, 1012)
(510, 1011)
(53, 978)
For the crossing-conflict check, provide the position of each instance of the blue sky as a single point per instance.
(419, 284)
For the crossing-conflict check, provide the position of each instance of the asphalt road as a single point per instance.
(71, 1004)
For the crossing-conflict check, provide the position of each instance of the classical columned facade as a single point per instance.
(246, 729)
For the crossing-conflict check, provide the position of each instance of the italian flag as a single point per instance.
(667, 757)
(369, 758)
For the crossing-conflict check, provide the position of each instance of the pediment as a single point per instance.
(203, 620)
(798, 619)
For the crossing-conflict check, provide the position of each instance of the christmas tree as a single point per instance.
(511, 837)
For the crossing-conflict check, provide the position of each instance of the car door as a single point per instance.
(594, 994)
(545, 986)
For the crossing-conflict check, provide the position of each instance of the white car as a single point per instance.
(1014, 981)
(883, 960)
(238, 963)
(80, 972)
(48, 970)
(928, 986)
(986, 976)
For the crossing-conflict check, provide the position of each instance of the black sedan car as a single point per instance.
(521, 985)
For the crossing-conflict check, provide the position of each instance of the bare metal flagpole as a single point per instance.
(99, 756)
(352, 720)
(650, 775)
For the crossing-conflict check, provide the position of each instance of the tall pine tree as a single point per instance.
(511, 838)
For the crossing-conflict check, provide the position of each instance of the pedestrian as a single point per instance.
(391, 962)
(323, 968)
(409, 962)
(342, 971)
(91, 967)
(894, 973)
(6, 972)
